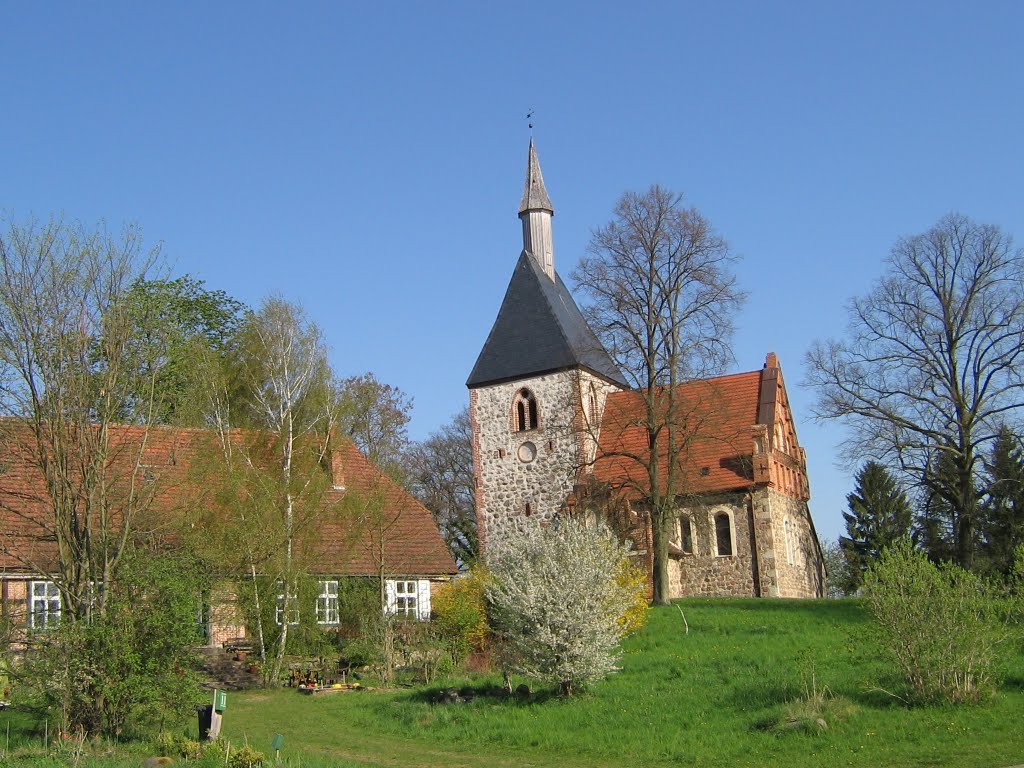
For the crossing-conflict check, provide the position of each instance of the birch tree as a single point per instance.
(288, 386)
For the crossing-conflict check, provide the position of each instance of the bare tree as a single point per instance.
(931, 366)
(67, 366)
(662, 297)
(375, 416)
(441, 472)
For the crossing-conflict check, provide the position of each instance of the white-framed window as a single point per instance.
(287, 605)
(787, 530)
(327, 603)
(724, 533)
(408, 597)
(44, 605)
(686, 535)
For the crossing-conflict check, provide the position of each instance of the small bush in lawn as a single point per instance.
(178, 745)
(214, 753)
(246, 757)
(633, 581)
(945, 628)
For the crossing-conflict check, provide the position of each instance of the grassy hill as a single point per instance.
(750, 684)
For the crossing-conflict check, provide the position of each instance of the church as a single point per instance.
(553, 417)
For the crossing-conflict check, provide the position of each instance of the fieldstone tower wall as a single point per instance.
(531, 472)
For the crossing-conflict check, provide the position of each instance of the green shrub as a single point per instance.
(460, 614)
(945, 628)
(633, 580)
(120, 671)
(246, 757)
(214, 753)
(178, 745)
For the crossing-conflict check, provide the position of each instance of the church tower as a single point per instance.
(538, 388)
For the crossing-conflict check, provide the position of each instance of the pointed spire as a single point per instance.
(535, 195)
(536, 211)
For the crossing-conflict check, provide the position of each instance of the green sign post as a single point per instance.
(276, 745)
(222, 701)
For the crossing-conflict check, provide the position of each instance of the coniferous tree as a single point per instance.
(939, 526)
(1002, 511)
(880, 514)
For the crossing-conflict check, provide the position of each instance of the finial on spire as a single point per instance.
(529, 121)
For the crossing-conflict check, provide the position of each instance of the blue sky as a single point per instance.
(366, 159)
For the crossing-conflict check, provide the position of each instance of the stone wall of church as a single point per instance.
(788, 553)
(704, 571)
(775, 553)
(531, 473)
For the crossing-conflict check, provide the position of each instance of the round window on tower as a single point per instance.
(527, 452)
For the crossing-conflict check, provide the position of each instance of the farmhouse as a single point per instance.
(552, 416)
(156, 474)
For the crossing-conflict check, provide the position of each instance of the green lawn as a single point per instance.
(708, 698)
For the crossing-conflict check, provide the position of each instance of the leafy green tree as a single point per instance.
(177, 324)
(284, 391)
(1002, 514)
(880, 514)
(130, 668)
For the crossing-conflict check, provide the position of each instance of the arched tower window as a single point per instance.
(524, 411)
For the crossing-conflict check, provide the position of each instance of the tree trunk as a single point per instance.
(659, 548)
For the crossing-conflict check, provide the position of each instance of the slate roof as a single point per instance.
(539, 329)
(162, 463)
(719, 412)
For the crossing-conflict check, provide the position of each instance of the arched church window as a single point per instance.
(723, 534)
(524, 411)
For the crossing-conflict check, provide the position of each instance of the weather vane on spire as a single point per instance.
(529, 121)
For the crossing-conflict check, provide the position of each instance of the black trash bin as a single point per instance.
(205, 712)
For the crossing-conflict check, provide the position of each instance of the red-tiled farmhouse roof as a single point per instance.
(160, 463)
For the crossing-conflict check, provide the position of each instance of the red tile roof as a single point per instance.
(162, 464)
(717, 417)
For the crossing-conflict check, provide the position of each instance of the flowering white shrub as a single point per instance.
(555, 602)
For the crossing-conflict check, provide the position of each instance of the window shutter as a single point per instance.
(423, 599)
(391, 601)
